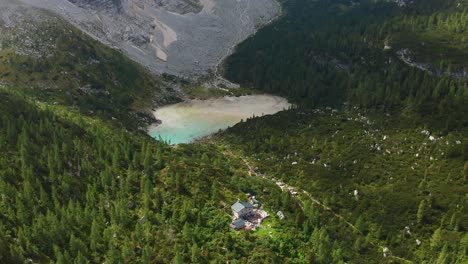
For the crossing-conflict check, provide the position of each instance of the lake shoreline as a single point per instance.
(190, 120)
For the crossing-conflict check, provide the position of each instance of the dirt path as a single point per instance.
(295, 192)
(291, 189)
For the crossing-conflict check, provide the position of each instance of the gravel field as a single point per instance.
(187, 38)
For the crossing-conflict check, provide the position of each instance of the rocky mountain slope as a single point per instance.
(182, 37)
(177, 6)
(48, 59)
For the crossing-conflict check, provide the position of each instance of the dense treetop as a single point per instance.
(330, 52)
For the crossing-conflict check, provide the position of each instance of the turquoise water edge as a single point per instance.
(187, 121)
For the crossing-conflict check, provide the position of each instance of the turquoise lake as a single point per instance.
(187, 121)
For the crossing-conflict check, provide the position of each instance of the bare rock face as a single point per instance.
(98, 4)
(187, 38)
(177, 6)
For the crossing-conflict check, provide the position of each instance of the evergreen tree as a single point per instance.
(436, 239)
(421, 211)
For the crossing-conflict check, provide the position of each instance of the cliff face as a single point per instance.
(188, 38)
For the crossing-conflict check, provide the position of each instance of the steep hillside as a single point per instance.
(187, 38)
(396, 181)
(75, 190)
(381, 178)
(50, 60)
(376, 54)
(379, 134)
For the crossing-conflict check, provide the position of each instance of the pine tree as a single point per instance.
(95, 236)
(80, 259)
(195, 250)
(215, 195)
(421, 212)
(187, 232)
(443, 256)
(179, 183)
(436, 239)
(178, 259)
(148, 162)
(146, 255)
